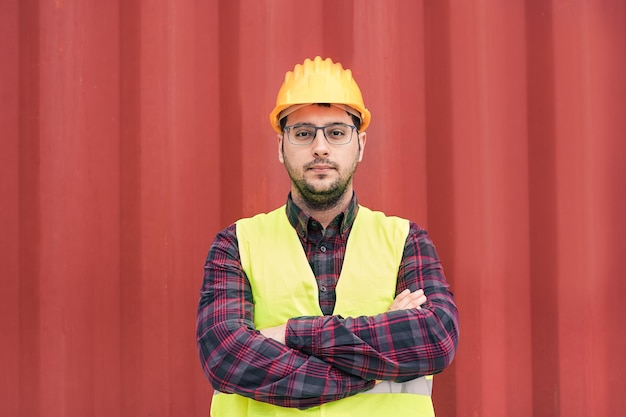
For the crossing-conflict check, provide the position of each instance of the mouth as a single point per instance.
(321, 171)
(320, 166)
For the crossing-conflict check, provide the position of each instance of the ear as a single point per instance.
(280, 148)
(362, 139)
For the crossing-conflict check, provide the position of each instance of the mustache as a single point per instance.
(320, 161)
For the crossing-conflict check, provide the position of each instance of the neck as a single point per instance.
(326, 215)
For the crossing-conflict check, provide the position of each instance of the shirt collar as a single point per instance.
(300, 220)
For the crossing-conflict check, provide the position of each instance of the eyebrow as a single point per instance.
(326, 125)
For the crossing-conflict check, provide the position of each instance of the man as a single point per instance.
(323, 307)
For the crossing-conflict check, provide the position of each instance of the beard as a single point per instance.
(314, 197)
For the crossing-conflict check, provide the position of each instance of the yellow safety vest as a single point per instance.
(284, 286)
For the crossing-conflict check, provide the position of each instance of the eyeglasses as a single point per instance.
(304, 133)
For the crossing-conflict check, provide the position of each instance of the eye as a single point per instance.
(303, 132)
(336, 132)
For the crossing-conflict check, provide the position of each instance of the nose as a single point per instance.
(320, 144)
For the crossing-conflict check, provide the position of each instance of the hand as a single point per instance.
(407, 299)
(277, 333)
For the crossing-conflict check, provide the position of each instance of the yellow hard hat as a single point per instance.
(319, 81)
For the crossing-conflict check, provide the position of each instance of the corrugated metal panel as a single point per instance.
(133, 131)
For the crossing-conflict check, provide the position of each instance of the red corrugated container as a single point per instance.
(133, 131)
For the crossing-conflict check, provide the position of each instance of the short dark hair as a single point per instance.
(355, 120)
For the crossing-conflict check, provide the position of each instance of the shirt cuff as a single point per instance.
(303, 333)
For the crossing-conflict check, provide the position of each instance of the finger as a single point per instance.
(404, 294)
(418, 302)
(395, 305)
(415, 300)
(401, 305)
(407, 294)
(407, 299)
(413, 296)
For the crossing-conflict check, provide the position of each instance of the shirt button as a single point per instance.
(323, 248)
(323, 288)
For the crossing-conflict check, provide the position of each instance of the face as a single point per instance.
(321, 173)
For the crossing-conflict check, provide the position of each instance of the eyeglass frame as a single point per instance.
(352, 129)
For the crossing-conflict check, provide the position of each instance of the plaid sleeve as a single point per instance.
(399, 345)
(236, 358)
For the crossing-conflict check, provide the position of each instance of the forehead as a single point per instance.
(319, 115)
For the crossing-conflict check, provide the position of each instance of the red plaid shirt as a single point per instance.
(326, 358)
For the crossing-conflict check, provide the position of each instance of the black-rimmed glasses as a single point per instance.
(304, 133)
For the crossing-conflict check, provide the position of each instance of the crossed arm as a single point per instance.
(313, 360)
(403, 301)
